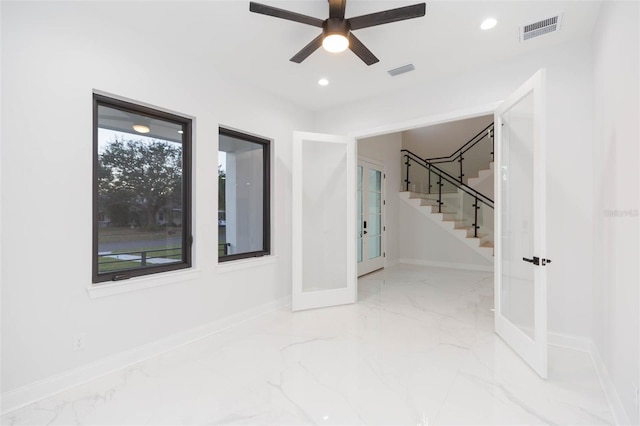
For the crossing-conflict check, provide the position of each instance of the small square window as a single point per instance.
(243, 196)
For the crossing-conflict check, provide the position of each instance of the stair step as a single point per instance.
(435, 196)
(482, 175)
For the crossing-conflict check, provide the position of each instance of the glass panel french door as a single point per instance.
(520, 272)
(370, 200)
(324, 223)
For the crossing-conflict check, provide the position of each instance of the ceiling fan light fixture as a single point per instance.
(141, 128)
(335, 43)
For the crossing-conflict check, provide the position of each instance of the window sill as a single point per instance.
(97, 291)
(234, 265)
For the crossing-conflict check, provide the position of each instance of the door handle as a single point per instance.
(365, 227)
(537, 261)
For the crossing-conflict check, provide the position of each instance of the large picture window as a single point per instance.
(142, 190)
(244, 200)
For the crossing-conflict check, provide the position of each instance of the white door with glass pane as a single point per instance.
(324, 221)
(520, 246)
(370, 202)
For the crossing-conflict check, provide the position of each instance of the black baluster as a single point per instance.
(476, 207)
(407, 179)
(439, 193)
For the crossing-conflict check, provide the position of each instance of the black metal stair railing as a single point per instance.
(458, 156)
(441, 177)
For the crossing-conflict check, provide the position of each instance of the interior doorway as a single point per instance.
(405, 239)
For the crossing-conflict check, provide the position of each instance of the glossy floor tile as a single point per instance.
(418, 348)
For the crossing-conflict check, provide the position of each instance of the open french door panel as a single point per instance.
(520, 243)
(324, 219)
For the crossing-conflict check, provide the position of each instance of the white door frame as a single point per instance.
(426, 121)
(429, 120)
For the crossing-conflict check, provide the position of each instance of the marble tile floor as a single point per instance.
(418, 348)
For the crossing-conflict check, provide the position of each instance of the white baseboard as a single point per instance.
(584, 344)
(615, 404)
(568, 341)
(450, 265)
(33, 392)
(390, 263)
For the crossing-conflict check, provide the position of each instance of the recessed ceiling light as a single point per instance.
(488, 23)
(323, 82)
(141, 128)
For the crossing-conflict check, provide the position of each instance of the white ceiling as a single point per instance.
(257, 48)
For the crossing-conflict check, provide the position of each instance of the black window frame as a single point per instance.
(187, 142)
(266, 195)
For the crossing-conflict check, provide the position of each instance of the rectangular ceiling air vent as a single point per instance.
(401, 70)
(542, 27)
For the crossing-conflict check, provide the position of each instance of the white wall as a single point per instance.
(615, 205)
(569, 118)
(386, 150)
(53, 55)
(422, 241)
(244, 194)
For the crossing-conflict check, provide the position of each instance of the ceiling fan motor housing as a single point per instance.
(336, 26)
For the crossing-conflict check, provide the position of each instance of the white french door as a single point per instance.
(324, 230)
(520, 246)
(370, 218)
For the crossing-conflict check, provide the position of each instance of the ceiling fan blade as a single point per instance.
(361, 50)
(387, 16)
(284, 14)
(307, 50)
(336, 8)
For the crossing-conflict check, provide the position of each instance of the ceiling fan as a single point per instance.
(337, 32)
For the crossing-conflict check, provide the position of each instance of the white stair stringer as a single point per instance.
(449, 220)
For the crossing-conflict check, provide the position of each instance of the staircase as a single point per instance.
(464, 210)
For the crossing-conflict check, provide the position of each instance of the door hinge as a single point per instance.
(384, 202)
(384, 254)
(384, 228)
